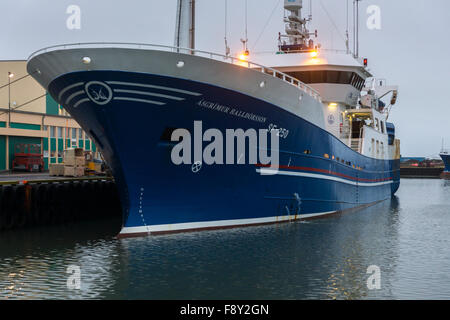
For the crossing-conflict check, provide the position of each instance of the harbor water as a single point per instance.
(406, 238)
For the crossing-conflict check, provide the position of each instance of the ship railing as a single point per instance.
(211, 55)
(303, 51)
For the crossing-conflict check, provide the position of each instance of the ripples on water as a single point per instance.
(408, 237)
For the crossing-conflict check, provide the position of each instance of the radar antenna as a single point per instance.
(297, 34)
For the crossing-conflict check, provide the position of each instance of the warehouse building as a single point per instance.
(29, 116)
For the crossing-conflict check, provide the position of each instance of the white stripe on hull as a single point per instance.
(74, 95)
(140, 100)
(153, 87)
(265, 171)
(78, 84)
(80, 102)
(149, 94)
(215, 224)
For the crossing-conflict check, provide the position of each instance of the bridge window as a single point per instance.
(345, 77)
(329, 76)
(318, 76)
(332, 76)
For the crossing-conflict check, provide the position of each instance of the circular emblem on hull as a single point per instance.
(99, 92)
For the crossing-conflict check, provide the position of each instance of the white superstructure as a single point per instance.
(351, 97)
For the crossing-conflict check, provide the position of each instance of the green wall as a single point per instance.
(25, 126)
(45, 147)
(51, 105)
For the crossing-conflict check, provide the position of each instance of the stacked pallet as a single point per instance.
(74, 162)
(56, 169)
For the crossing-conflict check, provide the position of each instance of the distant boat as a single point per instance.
(445, 155)
(337, 151)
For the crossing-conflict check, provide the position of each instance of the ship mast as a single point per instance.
(298, 36)
(356, 28)
(185, 25)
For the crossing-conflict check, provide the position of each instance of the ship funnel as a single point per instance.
(185, 24)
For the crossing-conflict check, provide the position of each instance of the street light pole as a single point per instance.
(10, 75)
(9, 99)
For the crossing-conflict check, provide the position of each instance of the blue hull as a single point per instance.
(446, 159)
(132, 134)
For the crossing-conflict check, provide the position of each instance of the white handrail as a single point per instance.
(211, 55)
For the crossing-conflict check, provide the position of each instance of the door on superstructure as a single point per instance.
(357, 124)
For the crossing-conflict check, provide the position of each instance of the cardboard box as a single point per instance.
(79, 161)
(74, 161)
(79, 171)
(73, 152)
(69, 171)
(69, 161)
(56, 169)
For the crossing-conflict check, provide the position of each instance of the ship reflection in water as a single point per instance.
(406, 237)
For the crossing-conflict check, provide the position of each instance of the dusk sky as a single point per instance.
(411, 49)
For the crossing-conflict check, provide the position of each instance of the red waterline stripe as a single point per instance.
(324, 171)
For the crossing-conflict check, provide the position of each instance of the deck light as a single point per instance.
(332, 105)
(244, 55)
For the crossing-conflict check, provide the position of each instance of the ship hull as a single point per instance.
(133, 131)
(446, 173)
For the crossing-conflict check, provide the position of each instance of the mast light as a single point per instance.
(244, 55)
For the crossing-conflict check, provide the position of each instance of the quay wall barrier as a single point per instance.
(52, 202)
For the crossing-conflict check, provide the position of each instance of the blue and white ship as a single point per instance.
(445, 156)
(337, 152)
